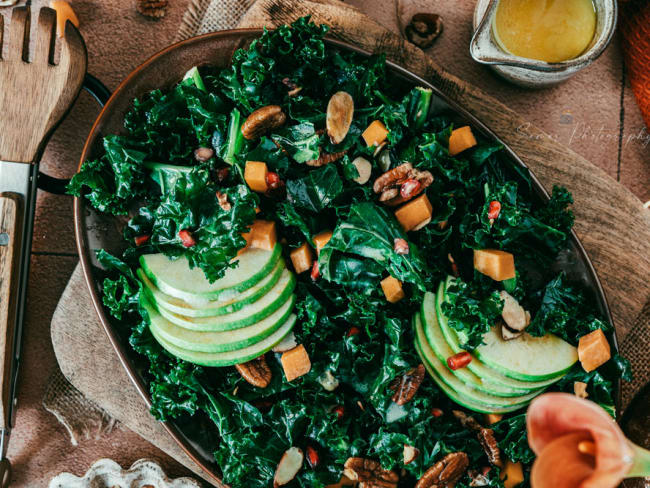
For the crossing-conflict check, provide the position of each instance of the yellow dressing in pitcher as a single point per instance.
(546, 30)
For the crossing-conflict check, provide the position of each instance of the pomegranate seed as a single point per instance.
(223, 173)
(187, 238)
(459, 360)
(143, 239)
(272, 180)
(315, 273)
(454, 270)
(339, 410)
(313, 458)
(352, 331)
(486, 470)
(436, 412)
(494, 210)
(410, 187)
(400, 246)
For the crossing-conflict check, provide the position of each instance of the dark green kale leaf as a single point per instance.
(317, 190)
(191, 204)
(370, 232)
(565, 311)
(472, 309)
(115, 180)
(300, 141)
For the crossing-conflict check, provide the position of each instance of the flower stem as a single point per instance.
(641, 465)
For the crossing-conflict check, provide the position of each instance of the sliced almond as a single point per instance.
(509, 334)
(422, 224)
(340, 110)
(288, 343)
(288, 467)
(513, 314)
(410, 454)
(364, 168)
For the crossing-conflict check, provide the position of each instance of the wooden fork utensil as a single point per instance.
(35, 94)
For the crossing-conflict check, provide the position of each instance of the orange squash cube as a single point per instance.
(295, 362)
(460, 140)
(415, 214)
(512, 474)
(255, 176)
(302, 258)
(263, 235)
(498, 265)
(493, 418)
(392, 288)
(64, 13)
(375, 133)
(321, 239)
(593, 350)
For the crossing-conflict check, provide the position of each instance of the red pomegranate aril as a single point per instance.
(313, 458)
(143, 239)
(436, 412)
(352, 331)
(494, 209)
(400, 246)
(409, 188)
(222, 173)
(315, 273)
(272, 180)
(187, 238)
(339, 410)
(263, 405)
(459, 360)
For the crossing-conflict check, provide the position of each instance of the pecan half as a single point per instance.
(406, 386)
(445, 472)
(467, 421)
(263, 120)
(325, 158)
(369, 473)
(424, 29)
(392, 178)
(256, 372)
(392, 184)
(490, 446)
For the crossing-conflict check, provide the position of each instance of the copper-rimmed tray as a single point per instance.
(94, 231)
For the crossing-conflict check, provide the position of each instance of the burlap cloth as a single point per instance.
(82, 418)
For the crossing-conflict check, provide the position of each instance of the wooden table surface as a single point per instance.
(594, 113)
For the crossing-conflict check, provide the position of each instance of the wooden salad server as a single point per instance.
(35, 94)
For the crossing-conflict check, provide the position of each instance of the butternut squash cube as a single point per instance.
(498, 265)
(460, 140)
(64, 13)
(493, 418)
(295, 362)
(512, 474)
(413, 214)
(375, 133)
(593, 350)
(264, 235)
(302, 258)
(248, 236)
(255, 176)
(321, 239)
(392, 289)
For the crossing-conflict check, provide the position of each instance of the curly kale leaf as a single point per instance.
(115, 180)
(472, 309)
(565, 311)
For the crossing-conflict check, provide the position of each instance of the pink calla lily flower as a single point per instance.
(579, 445)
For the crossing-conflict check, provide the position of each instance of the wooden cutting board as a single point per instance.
(611, 222)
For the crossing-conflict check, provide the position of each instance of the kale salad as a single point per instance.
(330, 281)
